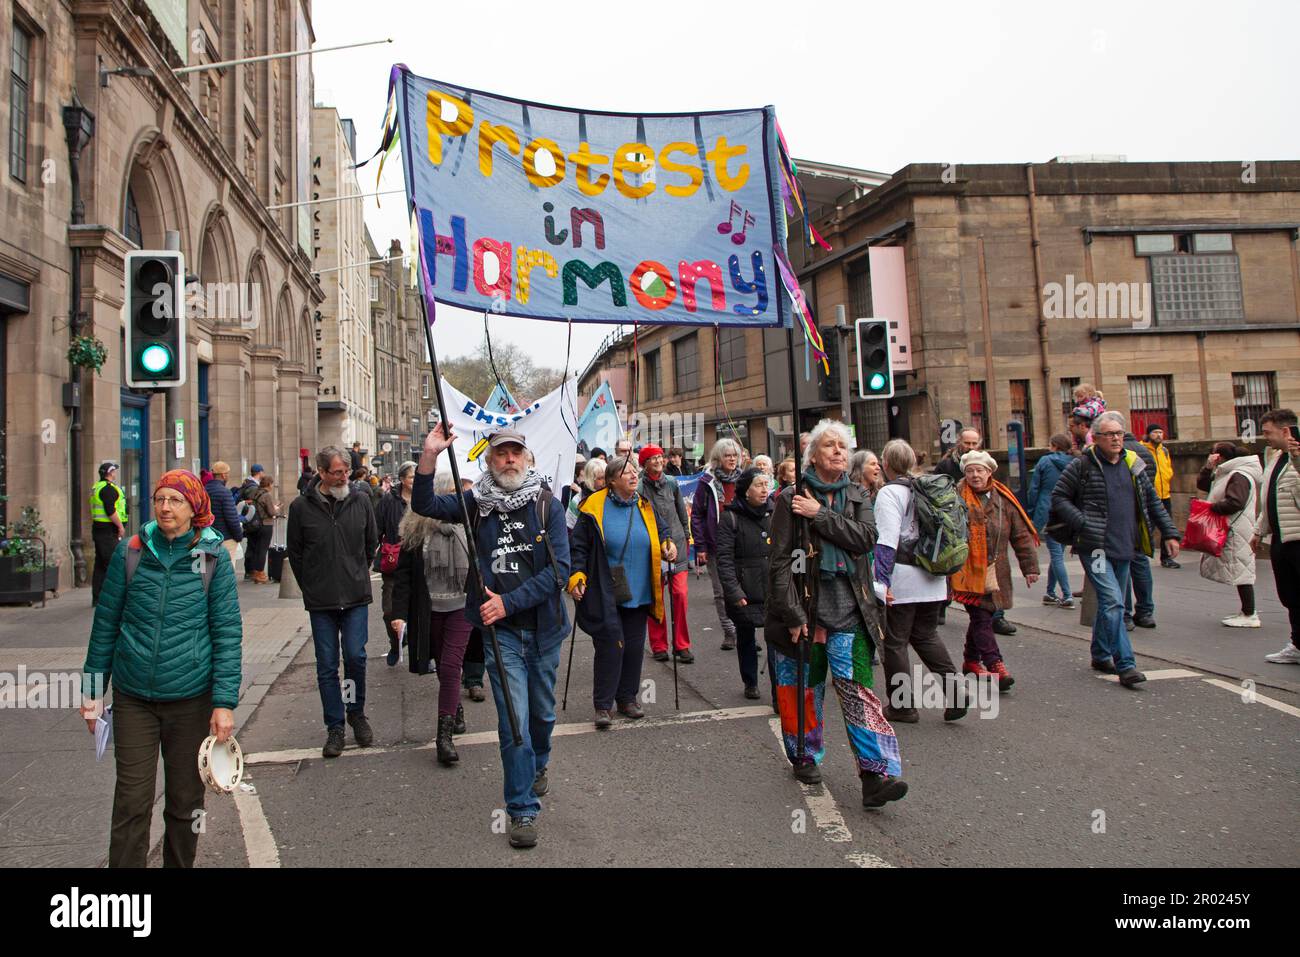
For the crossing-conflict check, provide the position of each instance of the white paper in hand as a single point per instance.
(103, 732)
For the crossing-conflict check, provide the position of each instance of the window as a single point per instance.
(131, 225)
(1195, 277)
(978, 407)
(652, 376)
(1067, 397)
(424, 386)
(731, 354)
(1151, 402)
(860, 289)
(686, 354)
(374, 288)
(20, 78)
(1253, 394)
(1021, 410)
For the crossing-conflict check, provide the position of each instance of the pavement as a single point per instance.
(1194, 769)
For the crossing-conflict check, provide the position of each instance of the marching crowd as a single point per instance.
(843, 559)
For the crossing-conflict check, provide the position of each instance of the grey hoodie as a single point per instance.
(670, 511)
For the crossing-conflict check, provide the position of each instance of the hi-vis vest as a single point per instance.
(97, 511)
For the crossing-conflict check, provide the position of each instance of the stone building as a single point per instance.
(208, 155)
(1172, 287)
(399, 356)
(342, 251)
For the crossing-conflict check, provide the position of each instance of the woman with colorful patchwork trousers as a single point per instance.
(841, 529)
(983, 585)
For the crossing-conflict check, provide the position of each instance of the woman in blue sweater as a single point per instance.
(616, 585)
(1041, 483)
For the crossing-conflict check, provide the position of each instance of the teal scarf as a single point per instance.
(834, 560)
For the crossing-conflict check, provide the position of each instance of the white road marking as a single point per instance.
(1159, 675)
(490, 737)
(826, 813)
(1237, 689)
(258, 842)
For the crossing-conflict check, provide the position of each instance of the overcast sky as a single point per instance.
(870, 85)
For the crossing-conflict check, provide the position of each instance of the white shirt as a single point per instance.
(895, 520)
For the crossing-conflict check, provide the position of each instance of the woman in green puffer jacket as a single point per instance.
(169, 641)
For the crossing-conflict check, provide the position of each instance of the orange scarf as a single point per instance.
(973, 574)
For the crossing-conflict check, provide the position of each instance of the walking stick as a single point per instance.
(672, 643)
(568, 673)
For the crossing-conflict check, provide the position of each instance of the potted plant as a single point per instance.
(26, 573)
(87, 352)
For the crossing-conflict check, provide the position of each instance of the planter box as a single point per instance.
(22, 587)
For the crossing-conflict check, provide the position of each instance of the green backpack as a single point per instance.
(941, 547)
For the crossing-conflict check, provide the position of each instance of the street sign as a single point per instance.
(180, 438)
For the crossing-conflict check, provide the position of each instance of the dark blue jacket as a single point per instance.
(542, 590)
(225, 518)
(1041, 483)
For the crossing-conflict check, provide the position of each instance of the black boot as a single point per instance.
(459, 726)
(446, 749)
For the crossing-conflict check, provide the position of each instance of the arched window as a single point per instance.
(131, 227)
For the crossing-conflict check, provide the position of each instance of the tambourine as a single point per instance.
(221, 766)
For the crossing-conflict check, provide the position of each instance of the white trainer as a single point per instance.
(1242, 621)
(1290, 655)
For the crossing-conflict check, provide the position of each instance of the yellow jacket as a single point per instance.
(595, 507)
(1164, 469)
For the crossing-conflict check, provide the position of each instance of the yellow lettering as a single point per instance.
(489, 135)
(719, 156)
(526, 261)
(695, 173)
(623, 163)
(530, 162)
(438, 127)
(583, 160)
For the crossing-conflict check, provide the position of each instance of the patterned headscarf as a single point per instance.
(188, 484)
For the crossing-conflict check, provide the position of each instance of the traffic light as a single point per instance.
(155, 319)
(875, 359)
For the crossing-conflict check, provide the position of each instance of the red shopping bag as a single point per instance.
(1207, 531)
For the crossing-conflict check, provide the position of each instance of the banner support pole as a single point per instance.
(470, 544)
(799, 525)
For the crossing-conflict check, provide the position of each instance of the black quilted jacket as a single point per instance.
(1080, 506)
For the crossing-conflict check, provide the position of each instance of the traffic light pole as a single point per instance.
(173, 243)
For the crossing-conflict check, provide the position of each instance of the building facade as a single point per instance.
(399, 356)
(1174, 288)
(203, 158)
(341, 253)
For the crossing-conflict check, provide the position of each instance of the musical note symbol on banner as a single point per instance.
(747, 220)
(725, 228)
(739, 238)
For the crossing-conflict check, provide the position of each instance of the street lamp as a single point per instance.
(78, 128)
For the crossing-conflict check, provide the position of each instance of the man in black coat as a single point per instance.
(1105, 505)
(332, 537)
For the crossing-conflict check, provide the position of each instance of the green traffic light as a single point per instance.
(156, 359)
(876, 382)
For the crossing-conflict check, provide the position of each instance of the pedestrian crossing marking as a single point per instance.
(1159, 675)
(1258, 698)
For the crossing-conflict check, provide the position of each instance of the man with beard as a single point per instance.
(523, 562)
(331, 539)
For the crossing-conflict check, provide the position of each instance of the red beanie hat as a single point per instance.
(188, 484)
(648, 452)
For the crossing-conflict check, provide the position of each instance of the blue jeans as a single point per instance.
(1142, 587)
(327, 627)
(1056, 574)
(1109, 636)
(530, 671)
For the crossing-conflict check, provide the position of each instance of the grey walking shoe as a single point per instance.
(523, 832)
(603, 719)
(541, 784)
(333, 743)
(361, 730)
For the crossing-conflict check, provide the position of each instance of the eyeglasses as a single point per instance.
(168, 501)
(1108, 435)
(337, 472)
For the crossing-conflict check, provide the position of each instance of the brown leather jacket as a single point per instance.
(1005, 525)
(854, 531)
